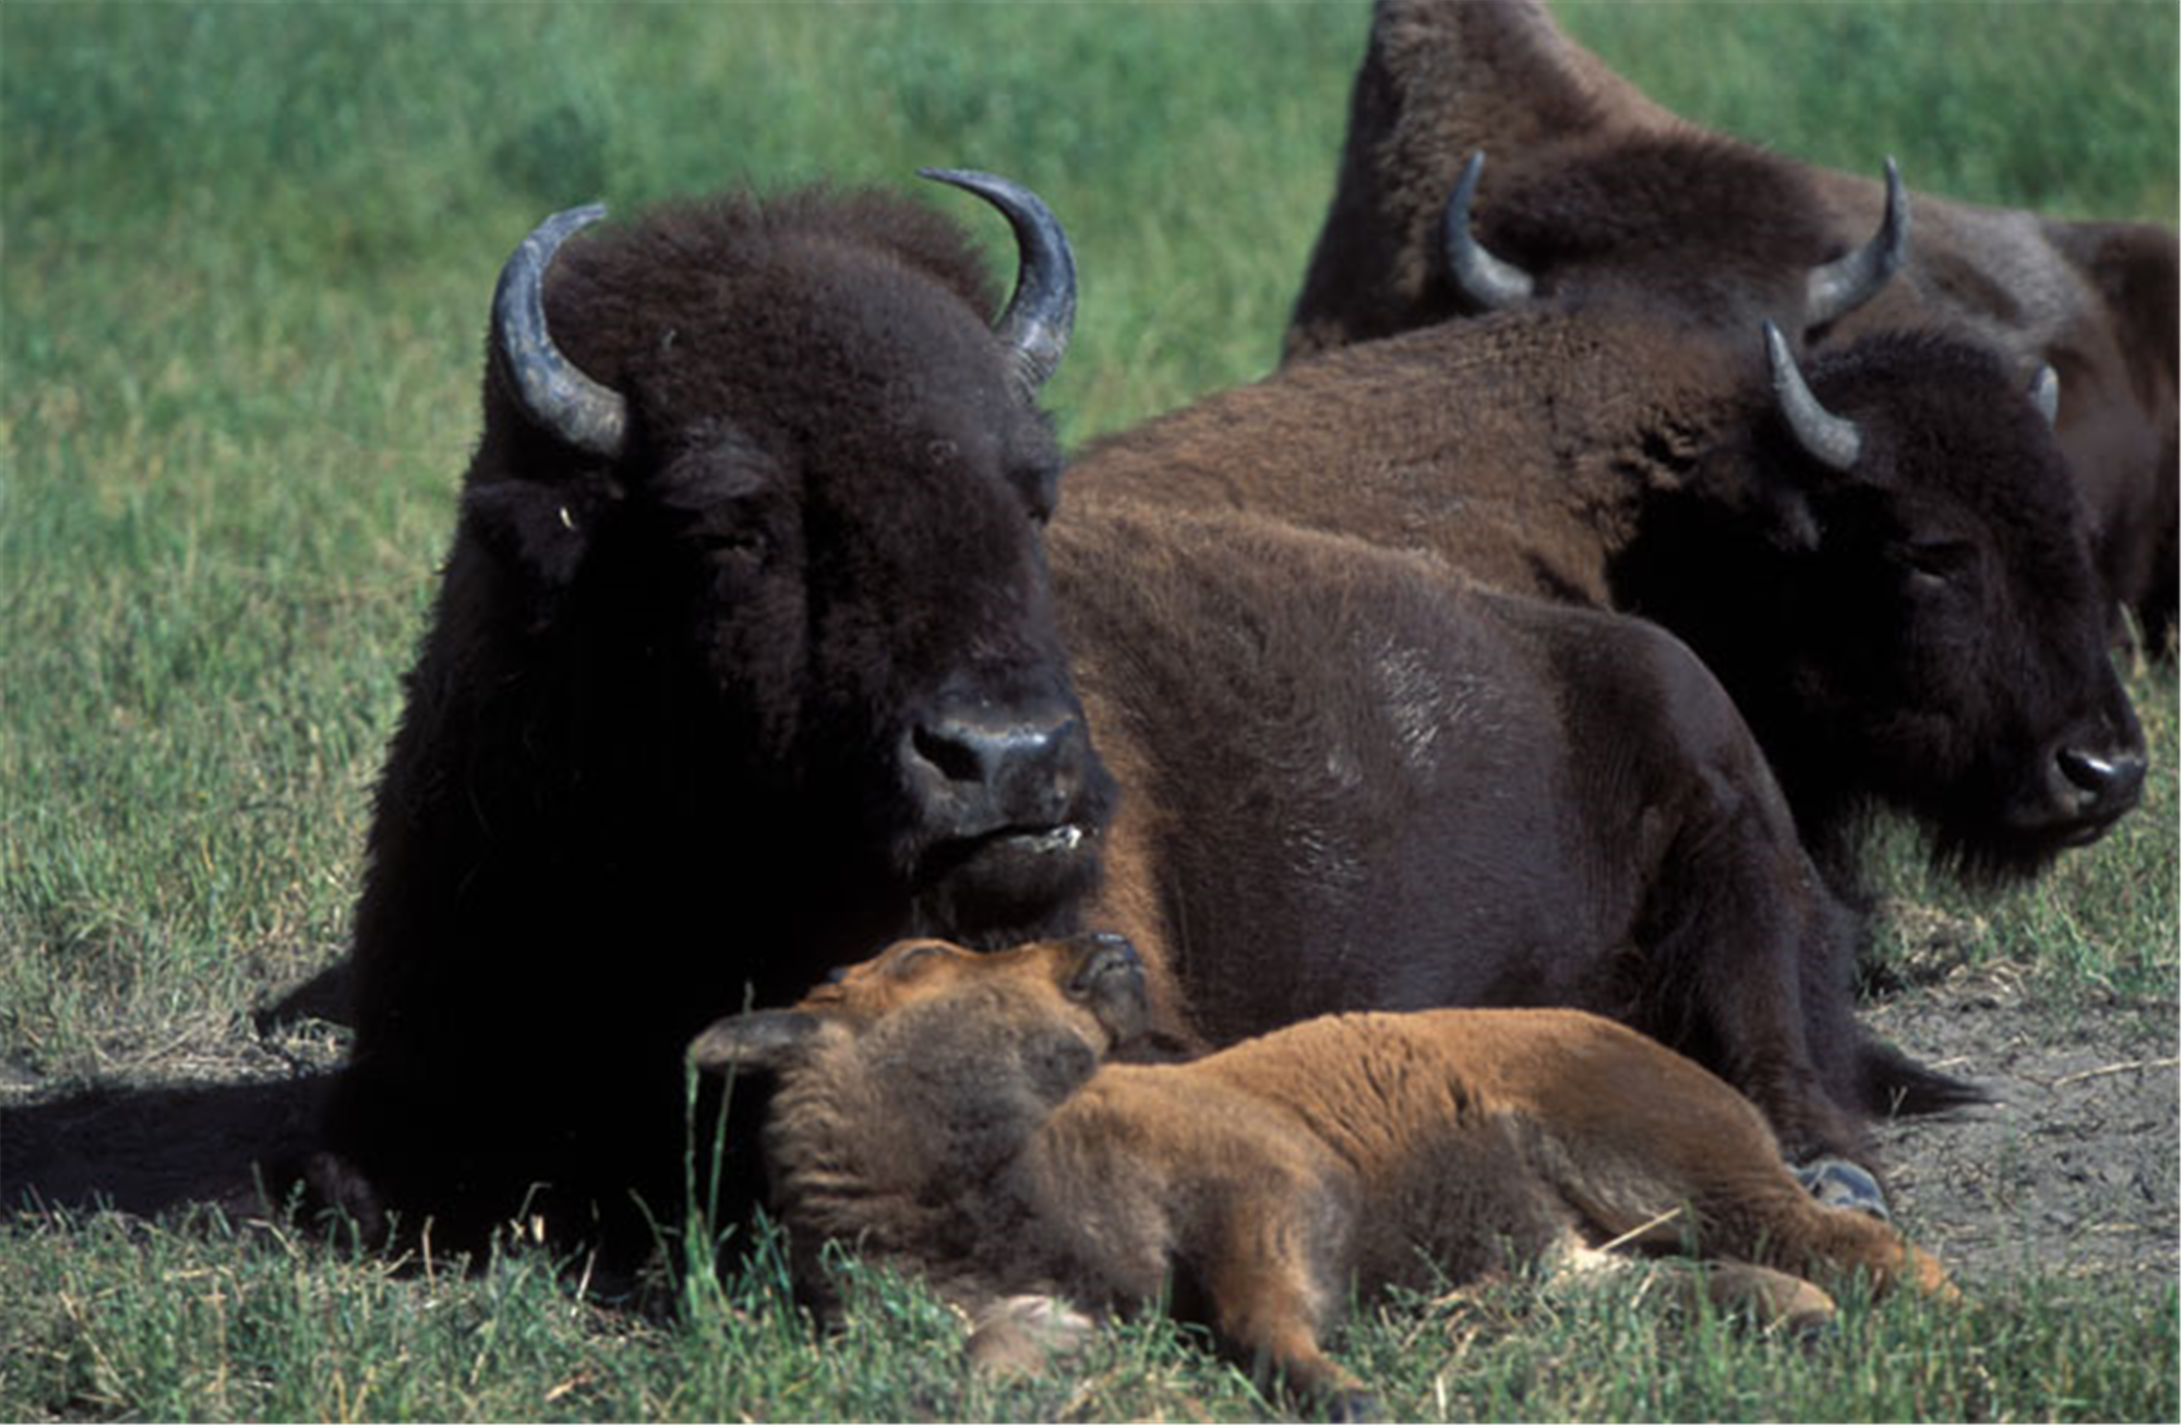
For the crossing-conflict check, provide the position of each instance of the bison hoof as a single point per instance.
(1836, 1182)
(1022, 1335)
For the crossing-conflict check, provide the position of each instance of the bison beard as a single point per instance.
(744, 662)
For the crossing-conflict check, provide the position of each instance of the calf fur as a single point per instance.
(957, 1115)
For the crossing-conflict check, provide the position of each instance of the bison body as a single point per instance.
(1593, 190)
(952, 1115)
(744, 662)
(1355, 781)
(1916, 624)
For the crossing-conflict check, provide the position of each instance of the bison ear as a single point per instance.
(764, 1039)
(544, 530)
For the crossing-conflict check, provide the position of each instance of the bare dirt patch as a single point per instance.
(2072, 1169)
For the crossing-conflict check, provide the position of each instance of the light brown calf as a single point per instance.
(964, 1116)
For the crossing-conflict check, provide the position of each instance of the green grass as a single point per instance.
(245, 253)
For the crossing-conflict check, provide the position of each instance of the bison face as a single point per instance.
(781, 487)
(1953, 626)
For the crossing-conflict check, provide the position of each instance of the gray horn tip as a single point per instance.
(1040, 316)
(555, 394)
(1488, 282)
(1833, 441)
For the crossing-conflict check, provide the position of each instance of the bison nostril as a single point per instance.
(2110, 778)
(961, 753)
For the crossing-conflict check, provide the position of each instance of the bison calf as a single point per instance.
(959, 1114)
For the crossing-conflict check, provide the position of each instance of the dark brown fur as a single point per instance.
(1588, 184)
(1923, 631)
(650, 763)
(948, 1113)
(1354, 781)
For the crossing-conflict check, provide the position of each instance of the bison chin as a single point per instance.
(1012, 885)
(2023, 841)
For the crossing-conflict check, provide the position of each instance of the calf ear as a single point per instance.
(764, 1039)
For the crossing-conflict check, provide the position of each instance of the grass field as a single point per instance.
(245, 255)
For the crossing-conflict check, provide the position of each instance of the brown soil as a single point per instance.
(2072, 1170)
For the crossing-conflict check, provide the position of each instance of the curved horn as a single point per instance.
(1040, 316)
(1831, 440)
(551, 391)
(1485, 280)
(2045, 393)
(1840, 286)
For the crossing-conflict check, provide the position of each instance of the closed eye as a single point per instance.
(914, 959)
(1932, 563)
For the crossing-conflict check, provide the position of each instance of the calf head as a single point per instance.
(930, 1060)
(1924, 595)
(765, 471)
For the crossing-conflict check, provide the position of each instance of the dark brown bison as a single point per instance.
(1592, 188)
(1883, 563)
(954, 1115)
(1354, 781)
(743, 663)
(748, 660)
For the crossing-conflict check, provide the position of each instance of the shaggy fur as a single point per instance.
(651, 763)
(1924, 631)
(949, 1114)
(1593, 188)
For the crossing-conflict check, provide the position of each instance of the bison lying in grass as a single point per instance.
(1883, 561)
(958, 1115)
(753, 654)
(1594, 186)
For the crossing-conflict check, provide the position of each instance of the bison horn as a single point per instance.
(1839, 287)
(551, 391)
(1833, 441)
(1040, 316)
(1486, 281)
(2045, 393)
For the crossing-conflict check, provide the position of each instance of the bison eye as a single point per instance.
(746, 546)
(1938, 562)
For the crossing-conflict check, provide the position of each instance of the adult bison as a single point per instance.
(1355, 781)
(1593, 187)
(748, 658)
(743, 662)
(1884, 564)
(957, 1115)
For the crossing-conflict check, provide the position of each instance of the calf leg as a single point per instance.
(1272, 1280)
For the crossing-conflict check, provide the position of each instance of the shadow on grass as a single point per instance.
(143, 1149)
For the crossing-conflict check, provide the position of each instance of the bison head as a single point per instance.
(763, 471)
(1931, 588)
(1706, 229)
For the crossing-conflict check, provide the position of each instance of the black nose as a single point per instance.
(978, 768)
(2106, 782)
